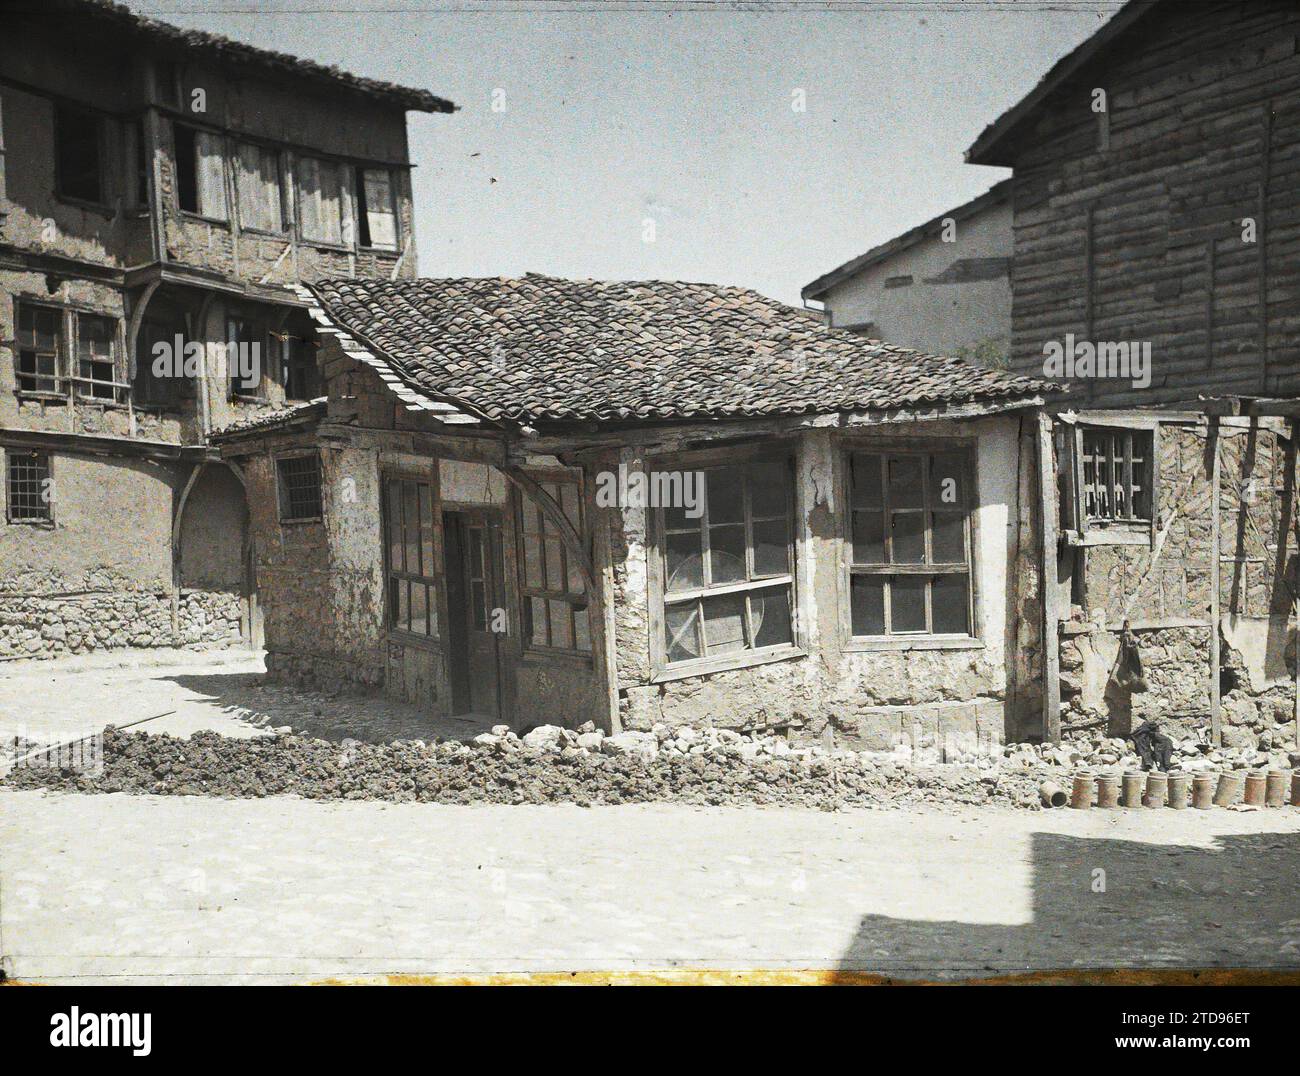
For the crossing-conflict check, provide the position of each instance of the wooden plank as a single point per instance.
(1050, 588)
(1216, 708)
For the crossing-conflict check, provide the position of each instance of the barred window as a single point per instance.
(412, 572)
(553, 591)
(40, 345)
(909, 533)
(299, 482)
(1115, 474)
(28, 488)
(728, 564)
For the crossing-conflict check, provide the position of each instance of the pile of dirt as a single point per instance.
(548, 765)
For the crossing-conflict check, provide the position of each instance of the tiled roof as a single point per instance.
(265, 421)
(538, 348)
(225, 50)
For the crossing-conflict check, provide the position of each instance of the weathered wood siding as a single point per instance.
(1130, 227)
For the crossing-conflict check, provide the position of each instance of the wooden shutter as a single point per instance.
(380, 218)
(209, 167)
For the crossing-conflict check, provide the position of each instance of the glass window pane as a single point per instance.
(868, 537)
(727, 553)
(769, 489)
(948, 538)
(771, 547)
(419, 609)
(868, 604)
(411, 516)
(907, 603)
(685, 563)
(726, 495)
(581, 630)
(948, 481)
(905, 481)
(866, 482)
(951, 604)
(724, 623)
(403, 618)
(676, 519)
(532, 561)
(908, 536)
(769, 614)
(395, 559)
(426, 533)
(537, 621)
(681, 628)
(554, 566)
(561, 629)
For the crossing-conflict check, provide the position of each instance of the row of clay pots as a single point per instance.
(1156, 789)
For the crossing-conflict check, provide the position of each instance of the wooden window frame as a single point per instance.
(925, 449)
(68, 375)
(102, 162)
(434, 582)
(60, 377)
(348, 204)
(227, 174)
(48, 520)
(1078, 527)
(575, 599)
(118, 384)
(662, 670)
(361, 224)
(279, 154)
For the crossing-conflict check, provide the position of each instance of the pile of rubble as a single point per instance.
(549, 764)
(1100, 753)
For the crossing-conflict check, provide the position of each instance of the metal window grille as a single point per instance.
(300, 496)
(27, 488)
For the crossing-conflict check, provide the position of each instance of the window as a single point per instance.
(97, 358)
(28, 488)
(412, 571)
(909, 535)
(298, 367)
(79, 154)
(376, 217)
(299, 482)
(40, 344)
(246, 344)
(1115, 475)
(324, 205)
(260, 199)
(201, 173)
(728, 574)
(150, 388)
(553, 591)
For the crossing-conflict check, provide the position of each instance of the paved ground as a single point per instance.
(222, 690)
(197, 889)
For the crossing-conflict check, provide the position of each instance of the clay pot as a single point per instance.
(1179, 782)
(1131, 795)
(1275, 788)
(1157, 789)
(1203, 791)
(1107, 790)
(1255, 787)
(1081, 791)
(1229, 790)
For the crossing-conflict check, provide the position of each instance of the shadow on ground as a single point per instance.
(1235, 905)
(252, 698)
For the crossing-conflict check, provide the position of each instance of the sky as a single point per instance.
(612, 115)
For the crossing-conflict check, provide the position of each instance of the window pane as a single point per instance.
(561, 629)
(419, 609)
(554, 567)
(676, 519)
(532, 561)
(402, 609)
(771, 547)
(537, 621)
(868, 537)
(727, 553)
(904, 482)
(948, 538)
(907, 603)
(950, 604)
(726, 495)
(426, 531)
(478, 603)
(411, 516)
(769, 489)
(948, 481)
(395, 559)
(908, 536)
(581, 630)
(681, 628)
(569, 504)
(769, 612)
(685, 562)
(724, 623)
(377, 206)
(868, 605)
(866, 482)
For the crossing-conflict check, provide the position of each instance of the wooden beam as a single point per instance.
(555, 514)
(1216, 708)
(1050, 588)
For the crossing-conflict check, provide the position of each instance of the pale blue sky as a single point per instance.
(616, 116)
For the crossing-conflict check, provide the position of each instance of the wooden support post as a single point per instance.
(1216, 709)
(1047, 496)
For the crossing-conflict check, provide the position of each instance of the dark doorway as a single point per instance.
(476, 620)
